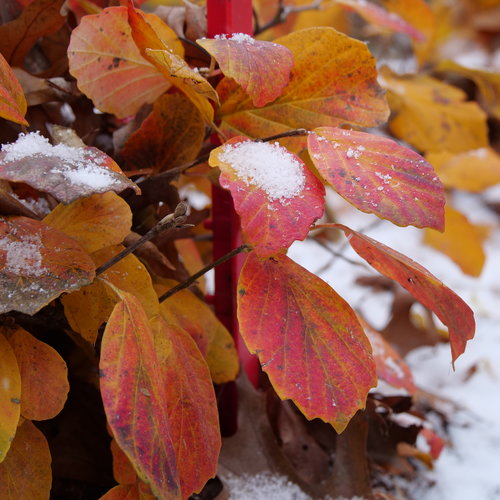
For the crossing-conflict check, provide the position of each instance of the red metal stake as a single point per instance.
(227, 17)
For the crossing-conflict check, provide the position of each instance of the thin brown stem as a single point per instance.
(201, 272)
(171, 221)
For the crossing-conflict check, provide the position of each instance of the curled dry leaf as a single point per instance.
(44, 377)
(261, 68)
(38, 263)
(96, 222)
(333, 81)
(67, 173)
(317, 344)
(425, 287)
(13, 104)
(377, 175)
(108, 66)
(27, 468)
(10, 397)
(274, 193)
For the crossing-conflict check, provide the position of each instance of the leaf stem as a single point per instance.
(171, 221)
(173, 172)
(201, 272)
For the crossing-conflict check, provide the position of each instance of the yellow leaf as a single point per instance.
(461, 241)
(432, 115)
(87, 309)
(473, 170)
(96, 222)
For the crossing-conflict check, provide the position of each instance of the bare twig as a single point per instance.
(171, 221)
(283, 12)
(201, 272)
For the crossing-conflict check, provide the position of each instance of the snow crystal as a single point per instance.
(479, 153)
(355, 153)
(89, 176)
(385, 177)
(23, 256)
(236, 37)
(266, 166)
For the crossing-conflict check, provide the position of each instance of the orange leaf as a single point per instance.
(39, 18)
(12, 100)
(274, 193)
(333, 82)
(10, 397)
(44, 377)
(26, 472)
(391, 368)
(88, 308)
(171, 65)
(128, 492)
(432, 115)
(170, 136)
(134, 395)
(379, 176)
(191, 314)
(308, 339)
(123, 471)
(461, 241)
(191, 405)
(95, 222)
(109, 67)
(38, 263)
(67, 173)
(380, 17)
(425, 287)
(261, 68)
(473, 170)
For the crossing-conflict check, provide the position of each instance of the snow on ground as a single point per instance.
(469, 466)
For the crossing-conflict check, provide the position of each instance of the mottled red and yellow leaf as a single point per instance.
(44, 376)
(425, 287)
(333, 81)
(26, 472)
(261, 68)
(170, 136)
(135, 398)
(65, 172)
(461, 241)
(276, 196)
(308, 339)
(215, 343)
(432, 115)
(191, 405)
(377, 175)
(87, 309)
(10, 396)
(13, 104)
(37, 264)
(473, 170)
(96, 222)
(108, 66)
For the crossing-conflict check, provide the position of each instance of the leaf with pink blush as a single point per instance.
(378, 175)
(261, 68)
(274, 193)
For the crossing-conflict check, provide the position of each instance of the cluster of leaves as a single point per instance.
(147, 95)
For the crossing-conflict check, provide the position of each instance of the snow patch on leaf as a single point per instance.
(23, 256)
(251, 161)
(236, 37)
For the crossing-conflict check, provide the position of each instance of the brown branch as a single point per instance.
(201, 272)
(171, 221)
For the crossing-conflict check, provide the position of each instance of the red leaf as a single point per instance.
(261, 68)
(275, 194)
(391, 368)
(425, 287)
(37, 264)
(435, 442)
(12, 101)
(379, 176)
(134, 396)
(307, 337)
(65, 172)
(380, 17)
(109, 67)
(191, 405)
